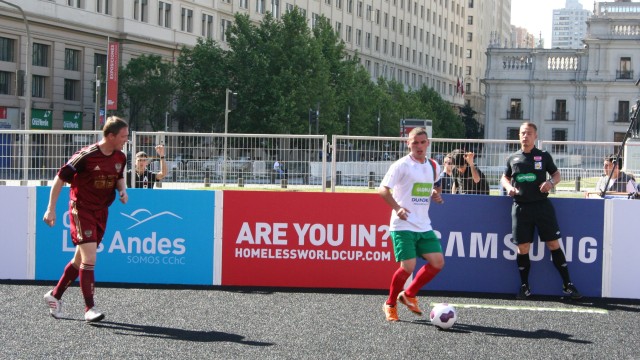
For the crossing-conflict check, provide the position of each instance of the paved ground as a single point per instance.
(233, 323)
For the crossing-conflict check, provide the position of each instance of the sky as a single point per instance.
(537, 15)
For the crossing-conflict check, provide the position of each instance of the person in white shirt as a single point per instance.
(408, 187)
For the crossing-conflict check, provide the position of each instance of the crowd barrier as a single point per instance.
(316, 240)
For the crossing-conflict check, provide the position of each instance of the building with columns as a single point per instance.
(581, 94)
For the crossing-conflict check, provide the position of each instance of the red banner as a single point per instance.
(3, 112)
(112, 76)
(312, 240)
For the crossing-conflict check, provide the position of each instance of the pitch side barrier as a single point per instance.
(316, 240)
(304, 162)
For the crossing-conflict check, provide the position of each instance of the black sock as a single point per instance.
(560, 263)
(524, 265)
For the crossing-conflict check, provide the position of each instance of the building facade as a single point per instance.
(416, 43)
(569, 26)
(570, 94)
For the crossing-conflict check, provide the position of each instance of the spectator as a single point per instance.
(468, 179)
(620, 182)
(447, 175)
(144, 178)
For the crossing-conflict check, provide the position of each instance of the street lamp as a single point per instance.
(226, 125)
(348, 120)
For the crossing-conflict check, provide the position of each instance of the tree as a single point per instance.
(147, 88)
(202, 78)
(473, 129)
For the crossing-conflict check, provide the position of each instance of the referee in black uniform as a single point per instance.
(525, 179)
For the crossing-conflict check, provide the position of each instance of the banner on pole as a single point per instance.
(112, 76)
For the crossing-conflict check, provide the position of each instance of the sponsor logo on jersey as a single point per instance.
(97, 168)
(526, 177)
(538, 165)
(537, 158)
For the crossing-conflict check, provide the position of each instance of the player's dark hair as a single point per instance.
(113, 125)
(457, 157)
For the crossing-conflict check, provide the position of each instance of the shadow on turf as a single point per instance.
(174, 333)
(502, 332)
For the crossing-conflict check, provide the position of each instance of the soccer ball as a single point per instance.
(443, 316)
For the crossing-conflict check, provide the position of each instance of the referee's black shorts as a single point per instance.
(525, 217)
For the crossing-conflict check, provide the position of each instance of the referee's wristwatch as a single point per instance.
(553, 184)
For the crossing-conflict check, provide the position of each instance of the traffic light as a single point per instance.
(233, 101)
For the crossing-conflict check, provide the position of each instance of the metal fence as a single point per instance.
(200, 160)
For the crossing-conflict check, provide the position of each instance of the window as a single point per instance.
(469, 36)
(368, 14)
(515, 110)
(559, 135)
(347, 35)
(513, 134)
(349, 6)
(260, 6)
(38, 86)
(100, 60)
(164, 14)
(469, 20)
(103, 6)
(377, 17)
(623, 112)
(625, 71)
(186, 20)
(207, 26)
(71, 89)
(468, 53)
(72, 59)
(386, 20)
(384, 46)
(393, 49)
(560, 112)
(359, 9)
(358, 37)
(5, 82)
(141, 10)
(314, 20)
(244, 4)
(467, 70)
(328, 2)
(40, 55)
(224, 26)
(7, 49)
(275, 8)
(339, 4)
(470, 6)
(376, 44)
(367, 40)
(75, 3)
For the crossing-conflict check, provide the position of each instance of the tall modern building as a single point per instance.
(488, 24)
(569, 26)
(438, 43)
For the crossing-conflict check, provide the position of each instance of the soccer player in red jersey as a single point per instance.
(94, 172)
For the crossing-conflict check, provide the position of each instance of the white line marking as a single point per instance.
(529, 308)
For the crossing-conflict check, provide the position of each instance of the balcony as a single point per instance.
(621, 118)
(560, 115)
(514, 115)
(624, 74)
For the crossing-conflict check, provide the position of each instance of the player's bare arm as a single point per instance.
(50, 215)
(122, 191)
(506, 183)
(385, 193)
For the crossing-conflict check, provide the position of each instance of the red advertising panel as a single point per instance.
(313, 240)
(112, 76)
(3, 112)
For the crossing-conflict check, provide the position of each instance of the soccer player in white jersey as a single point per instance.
(409, 186)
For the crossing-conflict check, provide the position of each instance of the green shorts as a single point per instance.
(409, 244)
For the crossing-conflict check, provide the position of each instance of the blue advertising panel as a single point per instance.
(475, 233)
(159, 236)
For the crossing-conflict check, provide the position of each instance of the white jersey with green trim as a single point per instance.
(411, 184)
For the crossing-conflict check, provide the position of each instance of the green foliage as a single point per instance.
(148, 89)
(473, 129)
(280, 69)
